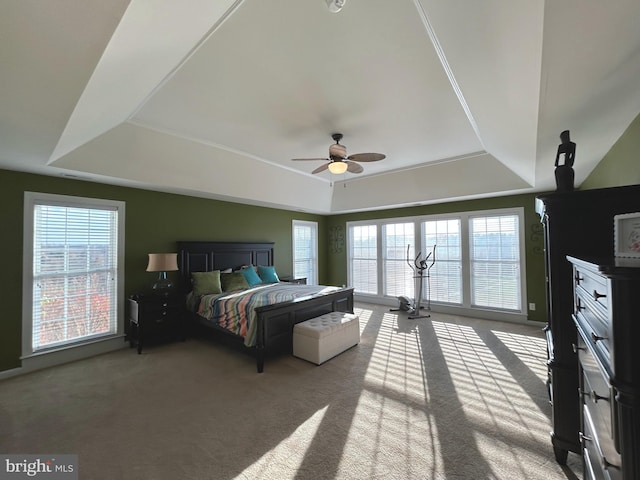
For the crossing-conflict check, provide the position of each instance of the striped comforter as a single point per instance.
(235, 311)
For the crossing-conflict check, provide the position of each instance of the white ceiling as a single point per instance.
(214, 98)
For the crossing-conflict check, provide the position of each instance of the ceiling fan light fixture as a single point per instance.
(338, 167)
(338, 151)
(338, 161)
(335, 5)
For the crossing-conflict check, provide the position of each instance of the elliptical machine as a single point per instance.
(419, 267)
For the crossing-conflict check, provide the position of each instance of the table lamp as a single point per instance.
(162, 263)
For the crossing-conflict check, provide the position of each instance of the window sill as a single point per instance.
(71, 353)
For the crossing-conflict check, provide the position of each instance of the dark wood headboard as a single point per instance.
(199, 256)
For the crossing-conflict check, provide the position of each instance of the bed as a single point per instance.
(271, 330)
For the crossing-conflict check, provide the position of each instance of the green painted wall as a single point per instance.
(154, 222)
(337, 257)
(621, 165)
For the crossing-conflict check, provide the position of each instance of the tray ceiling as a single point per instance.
(214, 99)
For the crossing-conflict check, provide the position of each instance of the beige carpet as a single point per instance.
(438, 398)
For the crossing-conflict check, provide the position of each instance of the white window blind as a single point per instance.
(75, 262)
(364, 258)
(305, 251)
(495, 262)
(445, 277)
(479, 263)
(398, 277)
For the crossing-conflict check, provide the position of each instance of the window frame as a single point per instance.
(79, 348)
(476, 259)
(449, 262)
(392, 264)
(313, 278)
(378, 260)
(465, 307)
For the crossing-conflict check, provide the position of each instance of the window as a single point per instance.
(73, 271)
(445, 276)
(363, 258)
(399, 240)
(305, 251)
(495, 262)
(478, 261)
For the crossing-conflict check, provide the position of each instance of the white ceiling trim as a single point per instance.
(447, 68)
(174, 164)
(218, 146)
(465, 99)
(471, 177)
(150, 42)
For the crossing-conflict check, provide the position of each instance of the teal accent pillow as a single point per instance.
(233, 281)
(206, 283)
(251, 276)
(268, 274)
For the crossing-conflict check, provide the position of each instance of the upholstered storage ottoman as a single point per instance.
(321, 338)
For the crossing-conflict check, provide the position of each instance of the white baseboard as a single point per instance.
(485, 314)
(39, 361)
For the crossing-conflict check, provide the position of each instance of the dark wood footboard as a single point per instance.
(275, 322)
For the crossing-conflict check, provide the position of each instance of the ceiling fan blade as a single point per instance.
(366, 157)
(321, 168)
(310, 159)
(353, 167)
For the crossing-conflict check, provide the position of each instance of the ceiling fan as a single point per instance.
(338, 161)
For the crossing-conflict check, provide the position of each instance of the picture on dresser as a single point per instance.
(627, 235)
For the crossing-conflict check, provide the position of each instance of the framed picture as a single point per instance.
(627, 235)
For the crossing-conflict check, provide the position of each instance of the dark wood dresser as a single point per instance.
(605, 291)
(577, 223)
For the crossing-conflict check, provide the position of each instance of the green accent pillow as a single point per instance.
(251, 276)
(233, 281)
(268, 274)
(206, 283)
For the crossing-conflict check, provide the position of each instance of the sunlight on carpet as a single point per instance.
(396, 405)
(440, 398)
(288, 454)
(421, 377)
(492, 399)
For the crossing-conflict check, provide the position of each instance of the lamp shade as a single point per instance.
(162, 262)
(338, 167)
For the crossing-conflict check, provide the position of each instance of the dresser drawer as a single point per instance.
(598, 397)
(595, 464)
(591, 299)
(596, 329)
(597, 339)
(592, 286)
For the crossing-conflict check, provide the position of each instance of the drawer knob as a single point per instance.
(576, 348)
(596, 338)
(595, 397)
(578, 278)
(597, 295)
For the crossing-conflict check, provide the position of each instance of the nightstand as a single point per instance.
(155, 316)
